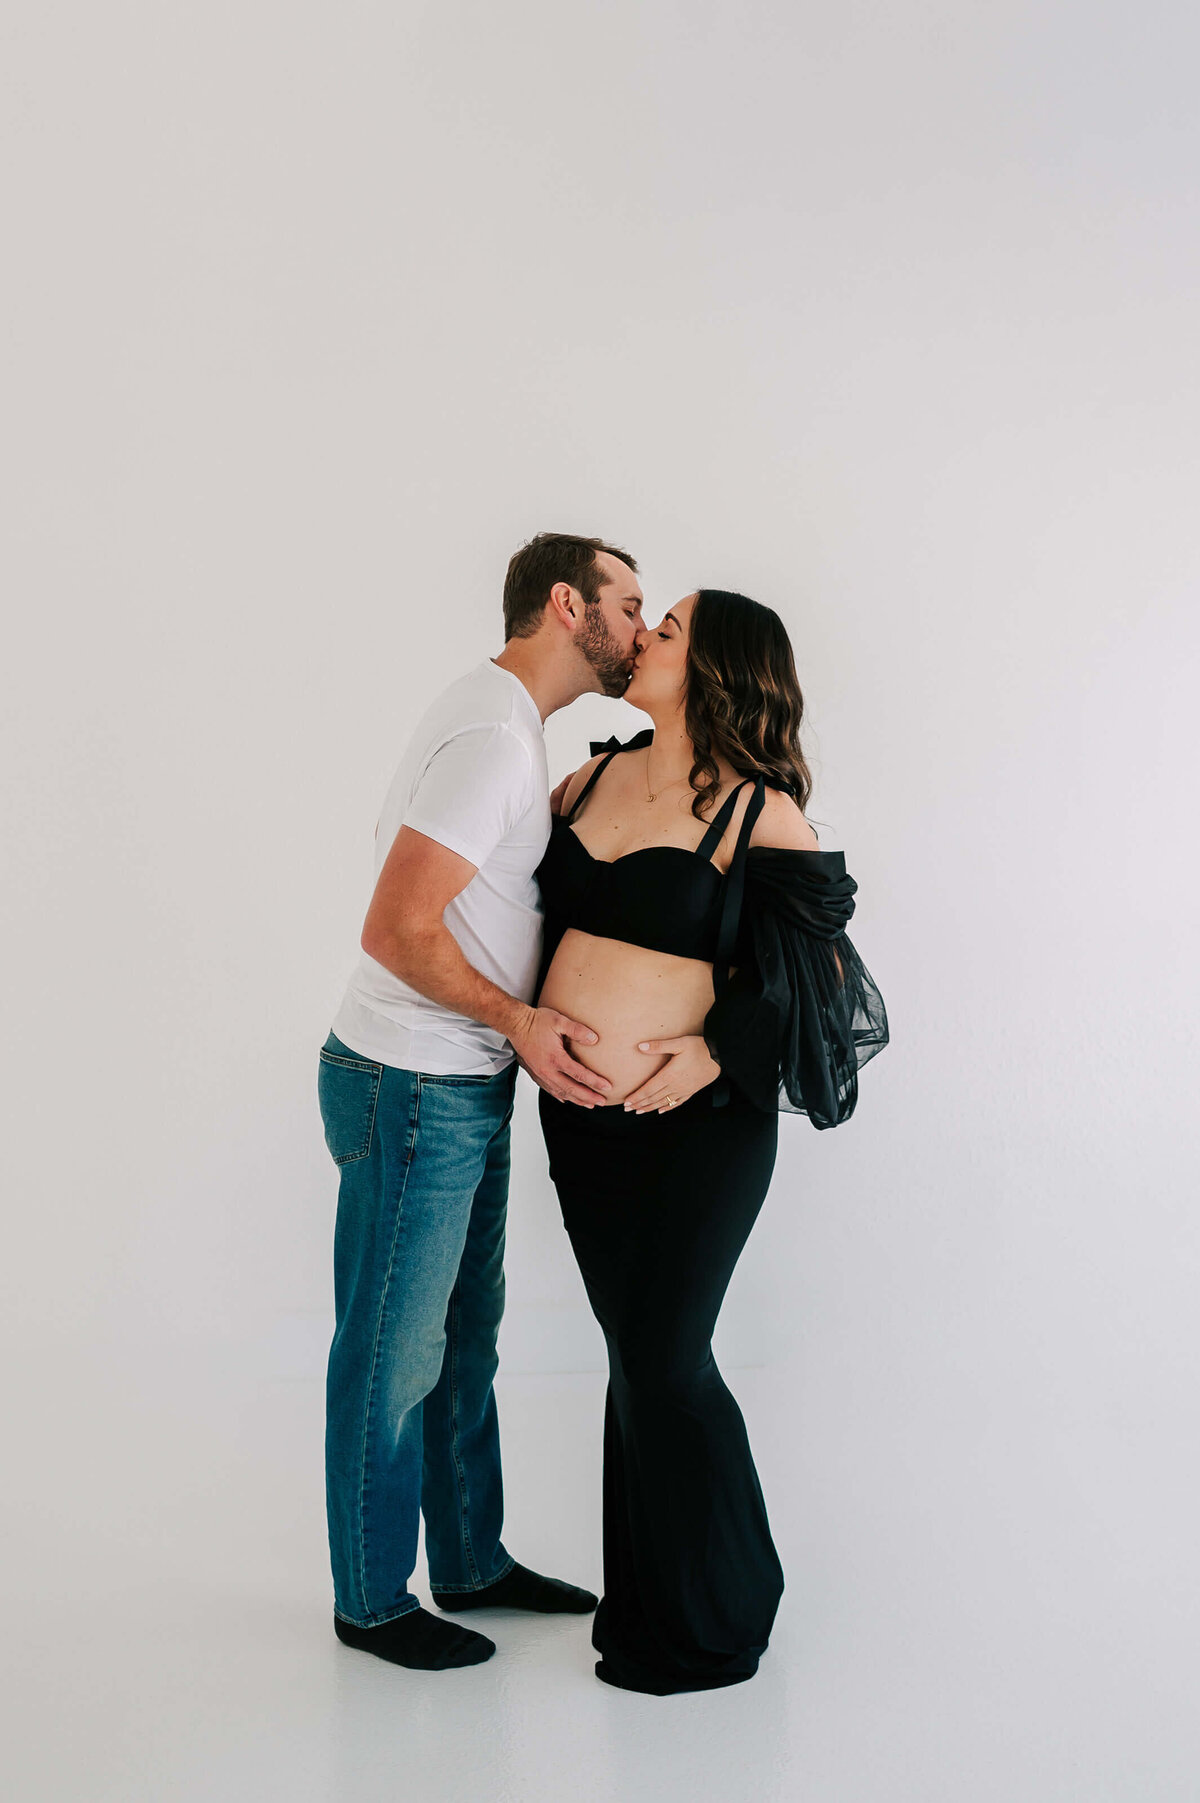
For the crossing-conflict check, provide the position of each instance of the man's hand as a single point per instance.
(689, 1068)
(556, 797)
(540, 1051)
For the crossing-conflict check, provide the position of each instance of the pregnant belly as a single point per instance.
(625, 993)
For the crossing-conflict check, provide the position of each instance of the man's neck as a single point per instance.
(550, 687)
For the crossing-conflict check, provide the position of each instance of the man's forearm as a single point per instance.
(430, 959)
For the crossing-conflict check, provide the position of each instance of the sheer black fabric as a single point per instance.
(795, 1023)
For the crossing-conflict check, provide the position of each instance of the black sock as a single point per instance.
(418, 1640)
(521, 1589)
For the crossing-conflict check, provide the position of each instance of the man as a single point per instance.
(416, 1086)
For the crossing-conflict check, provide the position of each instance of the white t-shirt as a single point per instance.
(474, 778)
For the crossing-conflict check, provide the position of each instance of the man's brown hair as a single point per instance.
(549, 558)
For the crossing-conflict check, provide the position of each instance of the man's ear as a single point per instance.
(562, 595)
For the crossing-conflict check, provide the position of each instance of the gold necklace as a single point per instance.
(657, 792)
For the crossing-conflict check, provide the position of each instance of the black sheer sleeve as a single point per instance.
(801, 1013)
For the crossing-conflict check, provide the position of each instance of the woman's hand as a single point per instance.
(688, 1069)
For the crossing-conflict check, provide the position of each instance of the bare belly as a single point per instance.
(625, 993)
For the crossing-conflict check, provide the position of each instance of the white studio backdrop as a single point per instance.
(885, 316)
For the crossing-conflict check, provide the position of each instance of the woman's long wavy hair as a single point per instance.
(742, 700)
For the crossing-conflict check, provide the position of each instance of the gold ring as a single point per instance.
(670, 1101)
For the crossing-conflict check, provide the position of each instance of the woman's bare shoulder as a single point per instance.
(781, 824)
(576, 782)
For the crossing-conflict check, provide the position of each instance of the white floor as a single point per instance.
(971, 1622)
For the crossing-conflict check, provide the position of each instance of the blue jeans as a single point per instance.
(418, 1261)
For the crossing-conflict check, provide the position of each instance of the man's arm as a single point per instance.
(405, 932)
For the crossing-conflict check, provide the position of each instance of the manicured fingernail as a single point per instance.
(643, 1045)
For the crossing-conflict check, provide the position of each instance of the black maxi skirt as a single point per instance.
(658, 1208)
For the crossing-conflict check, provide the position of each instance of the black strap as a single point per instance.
(735, 883)
(731, 908)
(612, 746)
(716, 831)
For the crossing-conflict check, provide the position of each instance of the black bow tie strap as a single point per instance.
(595, 746)
(611, 747)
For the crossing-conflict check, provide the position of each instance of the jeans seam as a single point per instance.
(354, 1064)
(463, 1492)
(467, 1589)
(378, 1621)
(374, 1111)
(367, 1410)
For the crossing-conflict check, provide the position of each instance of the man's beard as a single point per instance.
(611, 664)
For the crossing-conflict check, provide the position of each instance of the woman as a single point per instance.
(716, 971)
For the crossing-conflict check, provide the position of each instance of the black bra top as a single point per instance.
(664, 897)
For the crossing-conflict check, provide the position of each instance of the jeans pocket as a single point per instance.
(348, 1093)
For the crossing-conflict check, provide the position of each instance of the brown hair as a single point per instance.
(549, 558)
(742, 698)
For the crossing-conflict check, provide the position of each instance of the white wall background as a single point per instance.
(883, 314)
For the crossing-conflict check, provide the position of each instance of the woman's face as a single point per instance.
(658, 671)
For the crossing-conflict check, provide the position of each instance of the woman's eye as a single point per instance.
(664, 635)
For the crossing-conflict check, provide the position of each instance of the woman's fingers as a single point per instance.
(636, 1104)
